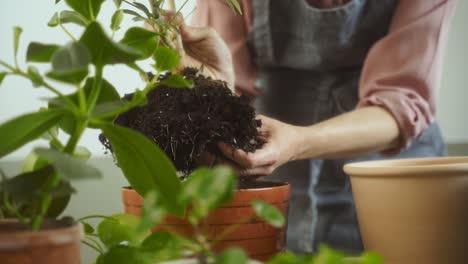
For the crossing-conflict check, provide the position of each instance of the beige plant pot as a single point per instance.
(413, 211)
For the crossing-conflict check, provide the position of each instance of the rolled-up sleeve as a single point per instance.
(234, 30)
(402, 71)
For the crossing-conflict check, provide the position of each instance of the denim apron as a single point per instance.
(310, 61)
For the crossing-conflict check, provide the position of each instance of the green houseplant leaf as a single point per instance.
(38, 52)
(70, 63)
(207, 189)
(269, 213)
(116, 20)
(23, 191)
(67, 16)
(35, 76)
(177, 81)
(145, 166)
(17, 35)
(2, 77)
(162, 246)
(166, 59)
(68, 166)
(118, 228)
(103, 50)
(232, 256)
(87, 8)
(26, 128)
(142, 40)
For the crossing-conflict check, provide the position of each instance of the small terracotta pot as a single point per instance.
(413, 211)
(58, 242)
(260, 240)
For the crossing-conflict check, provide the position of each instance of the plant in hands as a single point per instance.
(43, 189)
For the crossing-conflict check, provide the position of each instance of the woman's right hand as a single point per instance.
(204, 49)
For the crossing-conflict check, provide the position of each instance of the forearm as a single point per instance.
(365, 130)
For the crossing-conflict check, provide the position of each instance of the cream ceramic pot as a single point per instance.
(413, 211)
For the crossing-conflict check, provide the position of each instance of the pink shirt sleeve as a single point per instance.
(234, 30)
(402, 71)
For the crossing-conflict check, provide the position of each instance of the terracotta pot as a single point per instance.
(260, 240)
(58, 242)
(413, 211)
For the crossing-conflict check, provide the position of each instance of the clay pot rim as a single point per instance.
(274, 184)
(23, 238)
(442, 166)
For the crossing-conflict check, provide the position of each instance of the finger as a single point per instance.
(261, 157)
(196, 34)
(257, 171)
(176, 18)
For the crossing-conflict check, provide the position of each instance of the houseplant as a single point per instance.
(39, 194)
(414, 210)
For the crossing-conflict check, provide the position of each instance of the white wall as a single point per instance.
(17, 95)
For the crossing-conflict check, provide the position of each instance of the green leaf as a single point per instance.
(118, 3)
(207, 189)
(143, 8)
(107, 96)
(153, 211)
(371, 258)
(88, 229)
(35, 76)
(103, 50)
(133, 13)
(2, 77)
(122, 254)
(82, 153)
(269, 213)
(166, 59)
(67, 166)
(67, 16)
(118, 228)
(38, 52)
(57, 1)
(177, 81)
(24, 190)
(70, 63)
(117, 20)
(163, 246)
(328, 255)
(17, 34)
(23, 129)
(87, 8)
(145, 165)
(142, 40)
(235, 6)
(232, 256)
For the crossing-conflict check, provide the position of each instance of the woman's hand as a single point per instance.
(204, 49)
(280, 147)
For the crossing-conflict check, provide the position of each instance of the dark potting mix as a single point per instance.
(187, 122)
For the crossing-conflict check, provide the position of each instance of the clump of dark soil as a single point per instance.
(186, 122)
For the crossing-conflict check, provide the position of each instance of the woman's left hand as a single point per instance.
(281, 146)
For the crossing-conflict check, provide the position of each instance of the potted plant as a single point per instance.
(39, 194)
(125, 238)
(186, 114)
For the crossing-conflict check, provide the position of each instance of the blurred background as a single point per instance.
(103, 197)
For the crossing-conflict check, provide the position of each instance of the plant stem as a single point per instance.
(91, 246)
(96, 91)
(90, 238)
(18, 71)
(75, 137)
(66, 31)
(81, 99)
(94, 216)
(6, 65)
